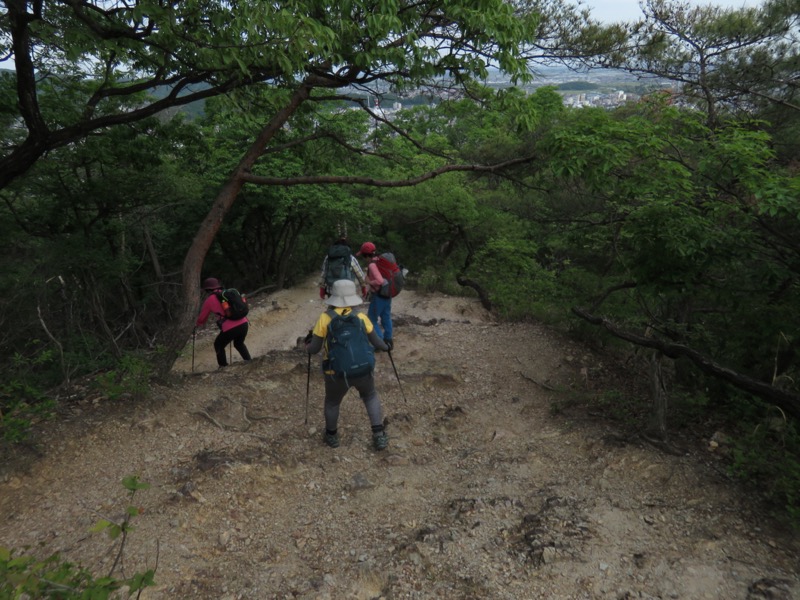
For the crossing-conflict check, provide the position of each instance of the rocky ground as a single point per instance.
(485, 492)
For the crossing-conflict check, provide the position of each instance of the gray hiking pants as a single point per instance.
(335, 390)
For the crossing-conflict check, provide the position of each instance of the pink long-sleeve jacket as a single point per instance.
(213, 305)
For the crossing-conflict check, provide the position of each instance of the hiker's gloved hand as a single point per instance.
(389, 343)
(308, 338)
(364, 292)
(322, 293)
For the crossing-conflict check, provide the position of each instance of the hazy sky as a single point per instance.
(628, 10)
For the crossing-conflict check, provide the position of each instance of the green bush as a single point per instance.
(768, 457)
(436, 279)
(130, 377)
(518, 285)
(26, 576)
(22, 397)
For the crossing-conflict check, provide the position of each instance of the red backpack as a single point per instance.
(392, 273)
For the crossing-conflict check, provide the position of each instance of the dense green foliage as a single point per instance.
(578, 86)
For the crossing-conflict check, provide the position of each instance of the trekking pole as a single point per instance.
(389, 352)
(194, 334)
(308, 385)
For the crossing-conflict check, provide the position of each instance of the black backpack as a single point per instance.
(234, 304)
(339, 264)
(348, 349)
(392, 273)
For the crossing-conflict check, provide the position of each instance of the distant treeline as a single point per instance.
(577, 86)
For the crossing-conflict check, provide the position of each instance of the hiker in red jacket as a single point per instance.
(380, 308)
(231, 330)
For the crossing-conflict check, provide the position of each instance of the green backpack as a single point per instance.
(338, 265)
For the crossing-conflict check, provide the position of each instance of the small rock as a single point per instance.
(147, 425)
(360, 482)
(224, 538)
(774, 589)
(502, 434)
(549, 555)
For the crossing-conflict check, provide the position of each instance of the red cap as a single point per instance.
(366, 248)
(211, 284)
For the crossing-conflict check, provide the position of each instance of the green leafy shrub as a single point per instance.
(433, 279)
(26, 576)
(688, 406)
(22, 399)
(517, 283)
(619, 406)
(768, 457)
(130, 377)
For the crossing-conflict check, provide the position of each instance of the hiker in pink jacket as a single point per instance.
(231, 330)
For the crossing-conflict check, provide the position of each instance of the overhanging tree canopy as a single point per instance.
(95, 53)
(725, 59)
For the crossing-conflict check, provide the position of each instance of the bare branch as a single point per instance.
(62, 360)
(789, 403)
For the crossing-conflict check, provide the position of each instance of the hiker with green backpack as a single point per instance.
(348, 341)
(339, 263)
(230, 307)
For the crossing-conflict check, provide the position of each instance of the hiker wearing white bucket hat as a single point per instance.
(343, 294)
(347, 339)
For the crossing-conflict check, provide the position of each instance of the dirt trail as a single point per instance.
(484, 492)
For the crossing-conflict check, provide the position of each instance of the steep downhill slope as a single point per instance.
(484, 492)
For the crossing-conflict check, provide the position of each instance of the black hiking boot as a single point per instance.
(380, 441)
(332, 439)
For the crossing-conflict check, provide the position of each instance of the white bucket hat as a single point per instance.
(343, 293)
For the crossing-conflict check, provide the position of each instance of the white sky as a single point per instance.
(608, 11)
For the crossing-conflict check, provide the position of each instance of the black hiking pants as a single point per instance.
(235, 335)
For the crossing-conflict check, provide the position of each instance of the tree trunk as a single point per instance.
(483, 296)
(178, 334)
(151, 251)
(658, 397)
(289, 246)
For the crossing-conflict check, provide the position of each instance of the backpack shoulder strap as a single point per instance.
(333, 315)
